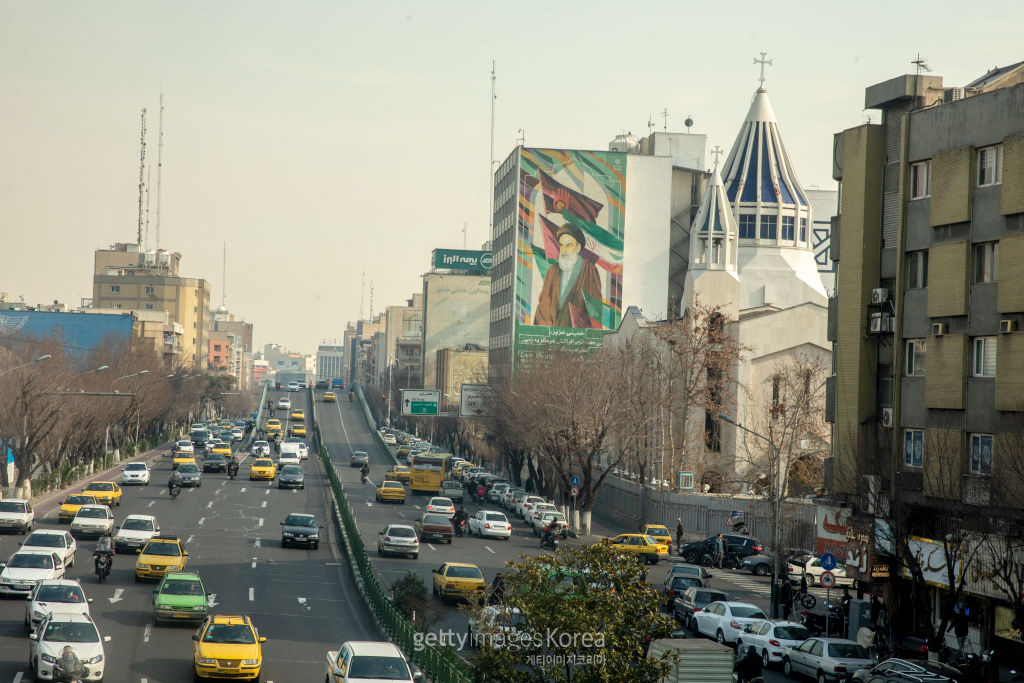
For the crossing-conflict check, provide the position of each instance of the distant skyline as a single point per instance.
(323, 139)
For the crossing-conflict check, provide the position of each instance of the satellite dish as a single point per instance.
(688, 123)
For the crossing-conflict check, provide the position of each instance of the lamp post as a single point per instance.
(89, 372)
(778, 508)
(25, 365)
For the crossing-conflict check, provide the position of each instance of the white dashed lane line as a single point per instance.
(252, 594)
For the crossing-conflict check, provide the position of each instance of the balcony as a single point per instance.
(975, 489)
(910, 480)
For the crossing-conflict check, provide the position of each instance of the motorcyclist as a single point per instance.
(233, 466)
(750, 667)
(277, 443)
(69, 667)
(548, 535)
(104, 553)
(365, 471)
(351, 396)
(174, 481)
(461, 517)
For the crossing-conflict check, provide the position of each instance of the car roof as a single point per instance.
(230, 619)
(461, 564)
(149, 517)
(401, 526)
(33, 550)
(371, 648)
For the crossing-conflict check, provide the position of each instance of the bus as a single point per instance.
(428, 471)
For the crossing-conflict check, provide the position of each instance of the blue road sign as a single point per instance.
(574, 480)
(828, 562)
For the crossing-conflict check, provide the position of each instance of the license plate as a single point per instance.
(181, 616)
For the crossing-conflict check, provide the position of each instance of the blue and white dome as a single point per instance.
(713, 232)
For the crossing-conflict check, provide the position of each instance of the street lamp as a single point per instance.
(135, 374)
(778, 507)
(99, 369)
(25, 365)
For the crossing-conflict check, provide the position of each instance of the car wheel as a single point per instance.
(821, 677)
(720, 637)
(761, 569)
(766, 661)
(691, 557)
(787, 668)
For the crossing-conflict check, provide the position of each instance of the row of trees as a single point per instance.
(59, 411)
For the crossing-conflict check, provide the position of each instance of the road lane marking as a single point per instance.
(242, 490)
(259, 523)
(117, 596)
(189, 539)
(267, 492)
(151, 503)
(252, 594)
(147, 633)
(211, 600)
(209, 505)
(369, 504)
(17, 677)
(264, 504)
(431, 546)
(489, 549)
(201, 520)
(257, 544)
(302, 601)
(417, 507)
(402, 515)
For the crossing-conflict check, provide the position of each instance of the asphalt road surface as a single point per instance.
(303, 601)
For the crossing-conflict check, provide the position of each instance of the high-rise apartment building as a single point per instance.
(330, 362)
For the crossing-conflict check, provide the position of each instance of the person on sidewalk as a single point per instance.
(960, 628)
(679, 532)
(719, 549)
(785, 598)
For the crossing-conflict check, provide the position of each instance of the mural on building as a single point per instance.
(569, 246)
(80, 333)
(457, 315)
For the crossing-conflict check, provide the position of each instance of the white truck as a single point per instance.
(697, 660)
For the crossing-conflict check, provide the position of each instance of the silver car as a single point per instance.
(190, 474)
(825, 659)
(93, 520)
(359, 458)
(260, 448)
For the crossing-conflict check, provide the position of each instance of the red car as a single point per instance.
(431, 527)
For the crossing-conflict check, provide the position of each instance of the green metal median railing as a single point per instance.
(441, 665)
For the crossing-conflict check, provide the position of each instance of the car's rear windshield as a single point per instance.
(745, 611)
(848, 650)
(464, 573)
(399, 532)
(496, 517)
(792, 633)
(435, 519)
(11, 506)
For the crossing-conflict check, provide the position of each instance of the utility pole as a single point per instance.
(490, 166)
(142, 172)
(159, 168)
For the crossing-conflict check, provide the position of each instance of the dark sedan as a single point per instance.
(291, 477)
(215, 462)
(742, 545)
(896, 669)
(300, 529)
(430, 527)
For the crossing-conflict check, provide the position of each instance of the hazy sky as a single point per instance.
(323, 139)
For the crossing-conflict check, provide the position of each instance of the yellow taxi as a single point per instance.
(160, 555)
(298, 415)
(106, 492)
(459, 580)
(273, 426)
(297, 430)
(402, 451)
(222, 448)
(400, 473)
(262, 468)
(391, 490)
(461, 466)
(69, 508)
(228, 646)
(660, 533)
(182, 458)
(329, 397)
(645, 548)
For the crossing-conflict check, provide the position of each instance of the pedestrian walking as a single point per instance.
(960, 628)
(679, 532)
(785, 597)
(719, 548)
(876, 608)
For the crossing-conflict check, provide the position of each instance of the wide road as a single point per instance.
(303, 601)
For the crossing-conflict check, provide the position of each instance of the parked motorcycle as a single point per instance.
(815, 621)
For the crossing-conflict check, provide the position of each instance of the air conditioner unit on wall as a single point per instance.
(887, 417)
(1007, 326)
(939, 329)
(880, 323)
(879, 295)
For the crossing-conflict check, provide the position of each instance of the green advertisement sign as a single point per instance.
(461, 259)
(534, 342)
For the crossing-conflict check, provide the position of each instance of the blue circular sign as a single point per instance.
(828, 562)
(574, 480)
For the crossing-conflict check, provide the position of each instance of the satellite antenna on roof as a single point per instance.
(664, 118)
(688, 122)
(142, 172)
(921, 64)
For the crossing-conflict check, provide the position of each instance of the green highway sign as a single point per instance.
(462, 259)
(420, 402)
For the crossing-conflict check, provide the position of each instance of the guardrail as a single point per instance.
(441, 665)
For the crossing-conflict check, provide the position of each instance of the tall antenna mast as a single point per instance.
(664, 118)
(149, 173)
(142, 171)
(371, 298)
(490, 167)
(362, 297)
(224, 278)
(159, 168)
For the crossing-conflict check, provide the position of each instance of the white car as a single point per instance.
(55, 595)
(547, 517)
(237, 434)
(287, 458)
(60, 629)
(293, 386)
(260, 448)
(494, 626)
(60, 542)
(303, 451)
(390, 439)
(184, 446)
(25, 568)
(135, 532)
(524, 505)
(93, 520)
(490, 523)
(771, 638)
(724, 621)
(398, 539)
(16, 515)
(811, 566)
(360, 661)
(441, 506)
(284, 404)
(535, 512)
(826, 659)
(135, 473)
(496, 492)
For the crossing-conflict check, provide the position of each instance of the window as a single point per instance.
(990, 165)
(981, 453)
(747, 229)
(115, 289)
(149, 289)
(769, 227)
(115, 305)
(917, 270)
(885, 385)
(915, 362)
(986, 254)
(984, 356)
(787, 227)
(716, 251)
(216, 347)
(913, 448)
(920, 180)
(149, 307)
(803, 229)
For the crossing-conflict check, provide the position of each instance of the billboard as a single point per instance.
(80, 333)
(569, 247)
(456, 312)
(461, 259)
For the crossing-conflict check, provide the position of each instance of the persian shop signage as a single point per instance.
(833, 530)
(461, 259)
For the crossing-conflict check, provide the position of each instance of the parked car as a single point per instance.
(912, 671)
(760, 565)
(724, 620)
(825, 659)
(693, 600)
(771, 638)
(674, 587)
(811, 566)
(693, 570)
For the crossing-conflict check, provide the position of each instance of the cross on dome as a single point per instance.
(716, 152)
(762, 62)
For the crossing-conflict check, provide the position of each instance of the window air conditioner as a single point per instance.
(887, 417)
(875, 324)
(879, 295)
(1007, 326)
(939, 329)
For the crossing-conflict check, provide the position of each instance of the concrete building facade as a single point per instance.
(330, 362)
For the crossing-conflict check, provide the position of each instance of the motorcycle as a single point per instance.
(103, 562)
(351, 396)
(174, 490)
(233, 470)
(362, 477)
(460, 528)
(62, 676)
(815, 621)
(549, 540)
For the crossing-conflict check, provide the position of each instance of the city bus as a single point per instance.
(428, 471)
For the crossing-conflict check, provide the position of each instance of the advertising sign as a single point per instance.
(80, 332)
(833, 530)
(461, 259)
(476, 400)
(931, 557)
(456, 314)
(420, 402)
(569, 246)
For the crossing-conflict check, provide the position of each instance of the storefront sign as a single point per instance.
(930, 556)
(833, 528)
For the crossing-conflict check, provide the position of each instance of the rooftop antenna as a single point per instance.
(921, 64)
(762, 62)
(362, 297)
(159, 169)
(490, 166)
(371, 298)
(664, 118)
(224, 278)
(142, 171)
(149, 174)
(650, 124)
(521, 139)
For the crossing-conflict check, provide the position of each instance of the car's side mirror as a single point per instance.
(88, 600)
(138, 551)
(195, 637)
(106, 639)
(282, 523)
(33, 636)
(185, 553)
(263, 639)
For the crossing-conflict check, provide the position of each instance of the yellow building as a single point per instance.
(128, 279)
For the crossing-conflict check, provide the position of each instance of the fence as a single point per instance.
(623, 502)
(441, 665)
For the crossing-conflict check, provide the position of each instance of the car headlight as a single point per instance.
(163, 607)
(209, 661)
(95, 660)
(48, 658)
(142, 566)
(199, 608)
(250, 662)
